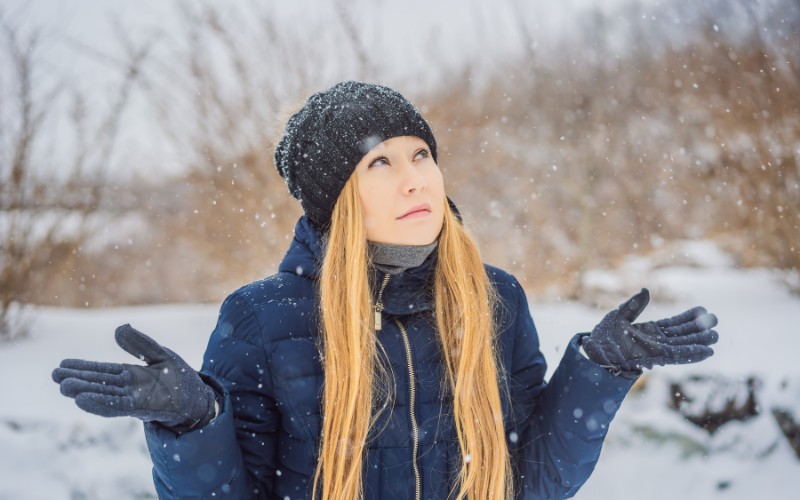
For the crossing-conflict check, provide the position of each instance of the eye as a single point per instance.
(381, 160)
(422, 153)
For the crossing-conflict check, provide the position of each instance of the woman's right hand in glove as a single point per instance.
(165, 390)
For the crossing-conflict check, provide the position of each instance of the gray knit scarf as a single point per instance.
(394, 258)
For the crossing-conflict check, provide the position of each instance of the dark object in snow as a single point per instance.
(166, 390)
(710, 402)
(790, 428)
(625, 348)
(724, 484)
(323, 142)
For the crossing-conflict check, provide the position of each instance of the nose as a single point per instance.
(412, 180)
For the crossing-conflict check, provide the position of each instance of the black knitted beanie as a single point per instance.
(335, 128)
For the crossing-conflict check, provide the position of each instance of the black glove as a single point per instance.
(167, 390)
(626, 348)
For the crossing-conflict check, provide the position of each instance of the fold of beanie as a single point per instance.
(328, 136)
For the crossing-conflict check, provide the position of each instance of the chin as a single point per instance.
(423, 234)
(419, 238)
(419, 241)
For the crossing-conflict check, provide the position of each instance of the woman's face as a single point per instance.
(402, 192)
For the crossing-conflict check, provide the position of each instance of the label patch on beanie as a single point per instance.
(369, 142)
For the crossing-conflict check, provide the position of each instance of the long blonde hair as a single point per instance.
(464, 305)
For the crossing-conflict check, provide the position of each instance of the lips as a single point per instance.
(424, 207)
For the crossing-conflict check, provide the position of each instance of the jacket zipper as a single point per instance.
(414, 426)
(412, 393)
(379, 303)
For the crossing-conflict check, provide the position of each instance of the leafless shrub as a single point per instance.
(560, 161)
(221, 87)
(46, 216)
(571, 162)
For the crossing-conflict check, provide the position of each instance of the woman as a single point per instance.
(384, 359)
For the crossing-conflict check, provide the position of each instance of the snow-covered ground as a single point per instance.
(52, 450)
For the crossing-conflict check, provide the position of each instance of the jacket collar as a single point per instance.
(405, 293)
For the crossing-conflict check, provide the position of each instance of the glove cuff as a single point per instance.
(203, 420)
(629, 374)
(594, 353)
(598, 357)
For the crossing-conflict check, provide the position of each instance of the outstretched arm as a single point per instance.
(235, 456)
(559, 425)
(560, 442)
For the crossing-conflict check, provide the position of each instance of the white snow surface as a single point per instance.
(53, 450)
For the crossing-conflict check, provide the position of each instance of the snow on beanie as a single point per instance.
(323, 142)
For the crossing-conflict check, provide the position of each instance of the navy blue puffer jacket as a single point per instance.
(263, 360)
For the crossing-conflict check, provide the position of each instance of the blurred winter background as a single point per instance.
(593, 148)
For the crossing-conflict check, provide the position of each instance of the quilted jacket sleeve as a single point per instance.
(558, 441)
(235, 455)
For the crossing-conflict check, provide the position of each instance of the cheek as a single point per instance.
(436, 184)
(373, 203)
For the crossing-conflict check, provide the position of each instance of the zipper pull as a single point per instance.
(379, 303)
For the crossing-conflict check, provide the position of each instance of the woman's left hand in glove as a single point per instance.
(624, 347)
